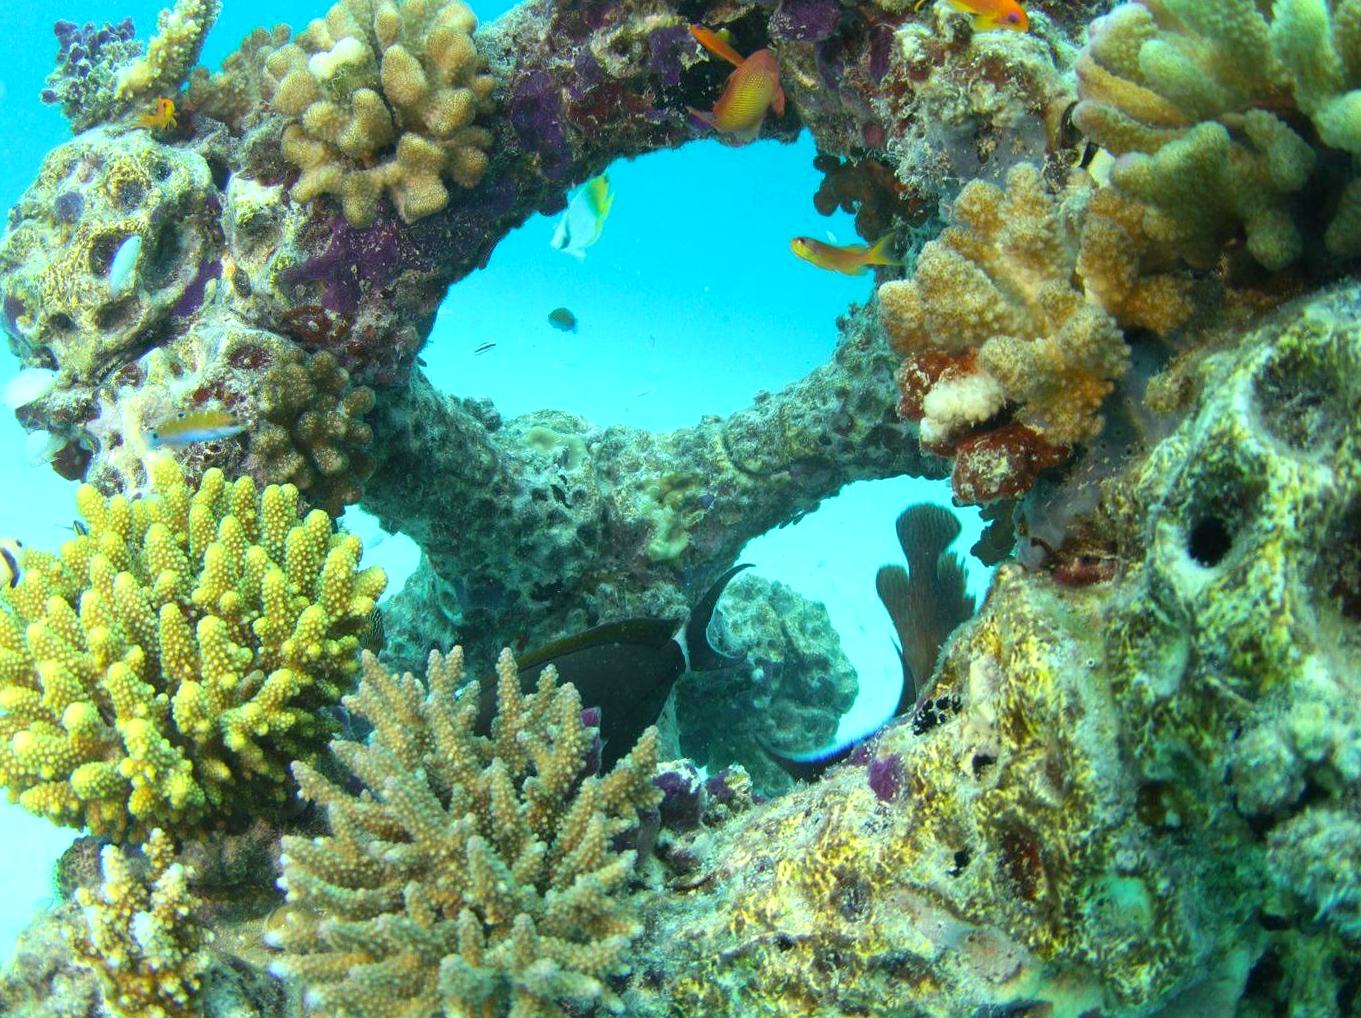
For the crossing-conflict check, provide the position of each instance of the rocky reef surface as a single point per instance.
(1130, 787)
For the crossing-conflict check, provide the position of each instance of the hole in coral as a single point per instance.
(129, 195)
(221, 172)
(981, 762)
(61, 322)
(116, 314)
(102, 252)
(160, 171)
(961, 858)
(1209, 541)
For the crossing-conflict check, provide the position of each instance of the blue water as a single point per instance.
(690, 303)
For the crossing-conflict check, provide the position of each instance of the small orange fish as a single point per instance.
(991, 14)
(160, 118)
(750, 90)
(848, 259)
(716, 44)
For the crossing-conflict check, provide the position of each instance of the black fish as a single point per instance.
(484, 347)
(926, 602)
(626, 668)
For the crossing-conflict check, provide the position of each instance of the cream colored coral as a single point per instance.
(1005, 285)
(141, 938)
(173, 51)
(375, 75)
(475, 874)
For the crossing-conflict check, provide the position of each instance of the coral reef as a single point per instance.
(88, 59)
(789, 695)
(1231, 119)
(94, 196)
(375, 78)
(1011, 326)
(142, 941)
(312, 434)
(172, 52)
(1132, 797)
(475, 873)
(165, 668)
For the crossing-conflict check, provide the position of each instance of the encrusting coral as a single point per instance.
(1227, 116)
(312, 433)
(380, 76)
(166, 667)
(141, 940)
(1011, 326)
(475, 874)
(88, 59)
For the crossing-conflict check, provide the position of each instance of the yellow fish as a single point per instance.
(581, 225)
(201, 426)
(848, 259)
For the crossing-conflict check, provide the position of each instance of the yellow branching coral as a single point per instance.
(173, 51)
(1011, 327)
(140, 936)
(475, 874)
(380, 76)
(166, 666)
(1227, 116)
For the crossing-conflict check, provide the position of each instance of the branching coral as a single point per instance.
(165, 668)
(1227, 117)
(87, 62)
(172, 53)
(475, 874)
(233, 94)
(1011, 327)
(385, 93)
(313, 434)
(141, 938)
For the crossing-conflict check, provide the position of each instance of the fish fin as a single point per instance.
(937, 601)
(895, 593)
(812, 768)
(777, 100)
(880, 254)
(701, 654)
(706, 119)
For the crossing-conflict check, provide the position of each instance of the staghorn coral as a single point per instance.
(1010, 328)
(312, 434)
(88, 59)
(172, 52)
(475, 873)
(165, 667)
(1230, 117)
(141, 939)
(385, 94)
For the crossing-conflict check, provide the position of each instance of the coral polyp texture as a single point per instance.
(141, 938)
(1011, 326)
(475, 874)
(172, 52)
(1130, 798)
(103, 248)
(313, 434)
(166, 667)
(384, 94)
(1232, 118)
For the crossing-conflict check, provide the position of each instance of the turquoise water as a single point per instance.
(690, 304)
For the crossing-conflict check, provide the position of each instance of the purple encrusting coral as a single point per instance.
(85, 67)
(192, 298)
(665, 47)
(354, 262)
(805, 20)
(682, 803)
(886, 776)
(535, 111)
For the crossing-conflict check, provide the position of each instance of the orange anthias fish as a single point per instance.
(716, 44)
(160, 118)
(751, 90)
(990, 14)
(849, 259)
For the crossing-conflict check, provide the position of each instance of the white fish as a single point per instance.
(580, 226)
(124, 261)
(29, 386)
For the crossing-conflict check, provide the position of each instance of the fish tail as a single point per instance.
(880, 252)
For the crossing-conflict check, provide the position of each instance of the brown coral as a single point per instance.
(312, 433)
(475, 874)
(1010, 328)
(384, 94)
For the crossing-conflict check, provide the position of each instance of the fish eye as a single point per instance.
(1013, 17)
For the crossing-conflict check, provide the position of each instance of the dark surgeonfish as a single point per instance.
(926, 602)
(626, 668)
